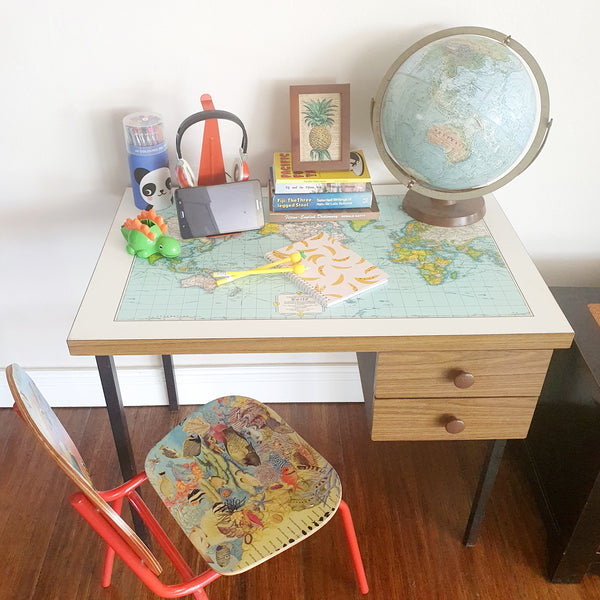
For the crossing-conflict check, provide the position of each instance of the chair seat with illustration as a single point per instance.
(239, 481)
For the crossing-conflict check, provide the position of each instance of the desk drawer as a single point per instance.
(440, 374)
(434, 418)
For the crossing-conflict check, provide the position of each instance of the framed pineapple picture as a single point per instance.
(320, 120)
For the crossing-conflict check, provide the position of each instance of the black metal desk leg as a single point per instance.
(489, 470)
(116, 415)
(118, 423)
(167, 361)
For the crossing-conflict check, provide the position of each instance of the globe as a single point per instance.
(459, 114)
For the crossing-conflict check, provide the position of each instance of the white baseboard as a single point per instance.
(197, 385)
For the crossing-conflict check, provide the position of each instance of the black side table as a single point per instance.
(564, 444)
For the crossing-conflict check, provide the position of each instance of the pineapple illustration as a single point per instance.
(318, 116)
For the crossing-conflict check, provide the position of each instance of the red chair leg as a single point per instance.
(109, 557)
(354, 549)
(111, 536)
(165, 543)
(200, 594)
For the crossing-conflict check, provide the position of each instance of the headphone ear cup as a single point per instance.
(185, 174)
(241, 172)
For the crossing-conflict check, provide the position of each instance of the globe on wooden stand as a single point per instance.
(458, 115)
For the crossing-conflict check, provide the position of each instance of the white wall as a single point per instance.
(71, 70)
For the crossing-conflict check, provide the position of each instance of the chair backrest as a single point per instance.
(48, 430)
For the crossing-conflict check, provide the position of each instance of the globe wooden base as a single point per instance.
(443, 213)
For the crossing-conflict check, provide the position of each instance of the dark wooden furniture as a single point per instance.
(564, 444)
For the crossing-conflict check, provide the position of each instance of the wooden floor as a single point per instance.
(410, 502)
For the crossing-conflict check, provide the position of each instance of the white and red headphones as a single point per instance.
(240, 168)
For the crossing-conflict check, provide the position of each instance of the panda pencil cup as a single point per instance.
(148, 160)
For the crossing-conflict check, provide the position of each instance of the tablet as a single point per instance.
(218, 209)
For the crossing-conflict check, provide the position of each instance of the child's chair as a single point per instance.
(241, 483)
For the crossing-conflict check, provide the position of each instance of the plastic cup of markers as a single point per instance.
(148, 160)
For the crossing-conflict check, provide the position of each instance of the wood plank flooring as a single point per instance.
(410, 502)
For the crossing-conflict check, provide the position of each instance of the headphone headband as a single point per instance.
(210, 114)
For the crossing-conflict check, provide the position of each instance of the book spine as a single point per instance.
(332, 215)
(283, 173)
(284, 202)
(315, 187)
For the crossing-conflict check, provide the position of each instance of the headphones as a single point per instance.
(240, 167)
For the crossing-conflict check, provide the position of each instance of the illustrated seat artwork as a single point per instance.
(240, 482)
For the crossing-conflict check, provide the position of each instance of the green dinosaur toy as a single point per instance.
(146, 237)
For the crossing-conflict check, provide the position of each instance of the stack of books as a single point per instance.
(297, 196)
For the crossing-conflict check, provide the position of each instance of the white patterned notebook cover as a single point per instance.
(333, 272)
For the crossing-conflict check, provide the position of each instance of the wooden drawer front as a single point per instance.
(433, 374)
(426, 418)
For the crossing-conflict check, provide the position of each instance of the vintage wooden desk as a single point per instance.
(436, 377)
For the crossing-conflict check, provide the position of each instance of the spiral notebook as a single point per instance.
(334, 273)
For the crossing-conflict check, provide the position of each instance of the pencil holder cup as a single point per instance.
(148, 160)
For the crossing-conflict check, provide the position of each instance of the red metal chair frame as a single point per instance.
(191, 584)
(117, 544)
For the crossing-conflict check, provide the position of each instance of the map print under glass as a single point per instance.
(434, 272)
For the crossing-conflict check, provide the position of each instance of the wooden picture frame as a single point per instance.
(320, 125)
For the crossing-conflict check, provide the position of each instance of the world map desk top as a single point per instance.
(471, 286)
(433, 272)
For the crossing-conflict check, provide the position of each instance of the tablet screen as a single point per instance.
(218, 209)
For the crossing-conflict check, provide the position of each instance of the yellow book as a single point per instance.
(286, 180)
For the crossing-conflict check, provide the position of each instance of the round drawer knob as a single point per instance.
(455, 425)
(464, 380)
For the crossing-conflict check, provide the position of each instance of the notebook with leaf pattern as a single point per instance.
(334, 273)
